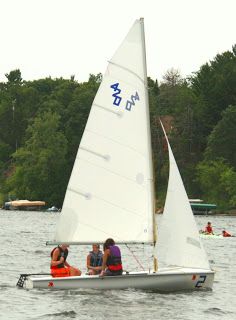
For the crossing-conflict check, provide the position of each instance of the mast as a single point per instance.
(151, 180)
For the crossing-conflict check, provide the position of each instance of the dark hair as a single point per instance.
(109, 242)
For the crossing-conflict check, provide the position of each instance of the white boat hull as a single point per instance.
(163, 281)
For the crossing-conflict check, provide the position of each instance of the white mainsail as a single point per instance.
(110, 192)
(179, 243)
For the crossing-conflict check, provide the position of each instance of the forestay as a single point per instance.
(110, 189)
(178, 242)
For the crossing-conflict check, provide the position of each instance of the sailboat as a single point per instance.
(110, 193)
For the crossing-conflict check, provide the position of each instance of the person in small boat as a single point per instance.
(94, 260)
(226, 234)
(59, 266)
(208, 228)
(112, 264)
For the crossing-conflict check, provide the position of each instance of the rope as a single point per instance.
(135, 258)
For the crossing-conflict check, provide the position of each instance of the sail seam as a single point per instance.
(88, 195)
(115, 141)
(130, 71)
(112, 172)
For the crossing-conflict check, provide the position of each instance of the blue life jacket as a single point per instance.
(96, 258)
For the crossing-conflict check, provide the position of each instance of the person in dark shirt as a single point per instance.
(59, 266)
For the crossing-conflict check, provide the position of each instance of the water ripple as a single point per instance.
(67, 314)
(23, 251)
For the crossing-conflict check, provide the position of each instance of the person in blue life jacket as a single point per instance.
(112, 264)
(94, 260)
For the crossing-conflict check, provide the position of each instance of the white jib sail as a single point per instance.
(178, 237)
(110, 189)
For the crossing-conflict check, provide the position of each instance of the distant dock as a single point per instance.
(200, 208)
(24, 205)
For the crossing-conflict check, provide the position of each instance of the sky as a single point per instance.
(61, 38)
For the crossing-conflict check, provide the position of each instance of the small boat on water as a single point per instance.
(52, 209)
(111, 189)
(24, 205)
(214, 236)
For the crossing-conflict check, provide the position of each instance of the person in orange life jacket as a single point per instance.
(59, 266)
(112, 264)
(94, 260)
(226, 234)
(208, 228)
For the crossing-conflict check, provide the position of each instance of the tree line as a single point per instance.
(42, 122)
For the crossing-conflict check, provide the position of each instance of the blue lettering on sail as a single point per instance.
(131, 102)
(117, 99)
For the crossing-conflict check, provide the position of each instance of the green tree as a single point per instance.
(221, 141)
(14, 77)
(76, 114)
(177, 101)
(39, 167)
(215, 88)
(218, 182)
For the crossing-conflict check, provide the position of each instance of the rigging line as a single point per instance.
(139, 263)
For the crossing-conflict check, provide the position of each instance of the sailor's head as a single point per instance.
(209, 223)
(64, 246)
(109, 242)
(95, 246)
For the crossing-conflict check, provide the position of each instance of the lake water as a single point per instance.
(23, 236)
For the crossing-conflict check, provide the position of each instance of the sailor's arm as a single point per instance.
(104, 261)
(54, 261)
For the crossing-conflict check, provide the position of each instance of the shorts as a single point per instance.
(113, 273)
(60, 272)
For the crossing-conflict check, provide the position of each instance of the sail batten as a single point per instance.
(117, 113)
(134, 180)
(104, 156)
(117, 142)
(112, 171)
(88, 196)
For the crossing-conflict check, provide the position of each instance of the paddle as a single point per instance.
(24, 276)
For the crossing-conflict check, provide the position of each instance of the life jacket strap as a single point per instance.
(115, 267)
